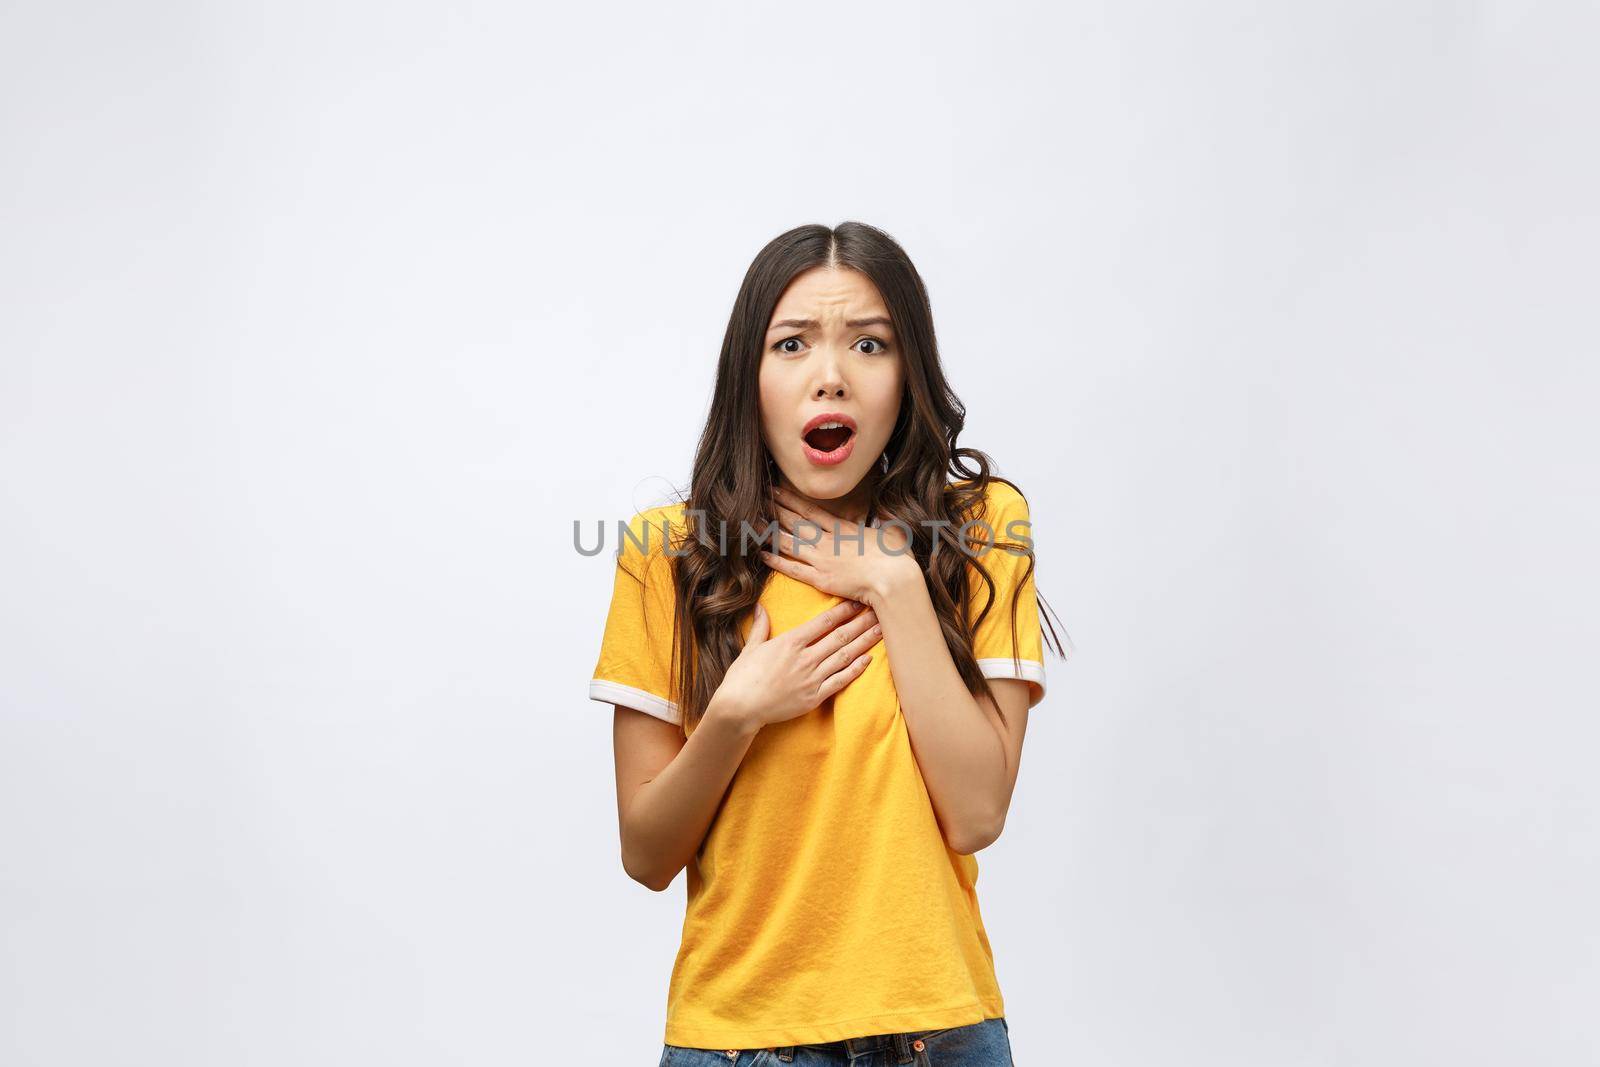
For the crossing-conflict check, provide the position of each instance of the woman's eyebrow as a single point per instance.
(811, 324)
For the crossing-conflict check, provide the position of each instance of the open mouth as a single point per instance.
(829, 438)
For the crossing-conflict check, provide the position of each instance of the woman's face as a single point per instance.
(830, 351)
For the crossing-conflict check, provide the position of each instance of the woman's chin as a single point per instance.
(827, 483)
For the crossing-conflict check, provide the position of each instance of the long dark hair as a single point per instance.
(733, 471)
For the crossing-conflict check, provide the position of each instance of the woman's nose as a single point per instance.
(830, 382)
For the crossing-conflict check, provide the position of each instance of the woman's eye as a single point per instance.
(784, 346)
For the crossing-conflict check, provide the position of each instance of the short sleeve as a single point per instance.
(634, 668)
(1006, 558)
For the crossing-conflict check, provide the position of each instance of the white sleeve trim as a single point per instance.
(1031, 670)
(626, 695)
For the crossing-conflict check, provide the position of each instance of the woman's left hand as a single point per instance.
(860, 563)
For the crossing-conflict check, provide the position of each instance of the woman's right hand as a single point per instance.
(779, 678)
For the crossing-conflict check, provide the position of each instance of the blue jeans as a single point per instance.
(985, 1044)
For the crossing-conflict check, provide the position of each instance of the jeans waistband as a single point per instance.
(899, 1045)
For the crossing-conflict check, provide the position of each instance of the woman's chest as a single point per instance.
(862, 717)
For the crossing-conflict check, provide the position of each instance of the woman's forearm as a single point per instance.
(669, 815)
(957, 748)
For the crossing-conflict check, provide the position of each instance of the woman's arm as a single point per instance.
(668, 789)
(969, 757)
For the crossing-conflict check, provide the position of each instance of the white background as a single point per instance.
(323, 322)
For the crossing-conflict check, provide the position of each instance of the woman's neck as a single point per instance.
(854, 506)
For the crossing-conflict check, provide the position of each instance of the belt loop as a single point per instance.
(902, 1048)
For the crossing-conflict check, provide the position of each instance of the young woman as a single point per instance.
(822, 663)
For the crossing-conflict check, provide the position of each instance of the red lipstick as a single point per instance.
(833, 445)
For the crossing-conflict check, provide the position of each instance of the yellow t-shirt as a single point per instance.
(823, 903)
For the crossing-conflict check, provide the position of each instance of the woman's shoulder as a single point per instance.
(1000, 496)
(645, 536)
(655, 516)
